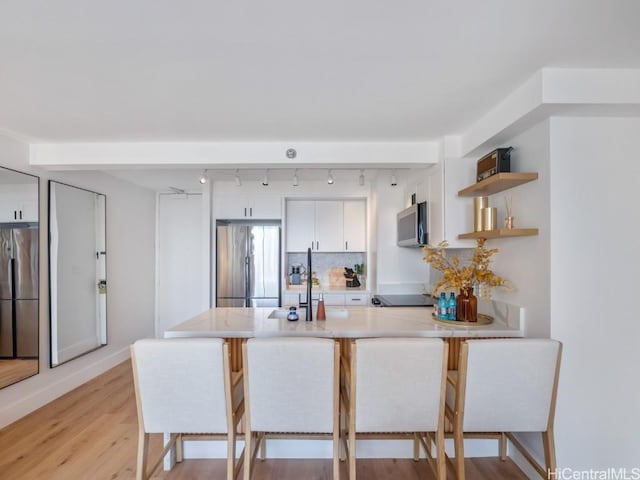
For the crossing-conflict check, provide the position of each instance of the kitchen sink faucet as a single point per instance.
(308, 304)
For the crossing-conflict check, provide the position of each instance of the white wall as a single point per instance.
(595, 174)
(396, 268)
(525, 260)
(130, 269)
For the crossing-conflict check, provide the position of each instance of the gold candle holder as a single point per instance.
(489, 219)
(478, 204)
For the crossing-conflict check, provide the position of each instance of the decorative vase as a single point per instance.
(467, 305)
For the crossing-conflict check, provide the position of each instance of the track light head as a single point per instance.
(361, 178)
(394, 180)
(295, 178)
(329, 178)
(265, 179)
(203, 178)
(237, 179)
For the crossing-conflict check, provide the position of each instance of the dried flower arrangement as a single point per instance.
(455, 275)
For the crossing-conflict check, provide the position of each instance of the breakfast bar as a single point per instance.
(236, 324)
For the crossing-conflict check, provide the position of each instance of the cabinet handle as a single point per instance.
(317, 244)
(356, 299)
(245, 211)
(20, 214)
(15, 214)
(251, 211)
(346, 245)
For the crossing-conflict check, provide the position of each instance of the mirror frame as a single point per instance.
(99, 285)
(39, 273)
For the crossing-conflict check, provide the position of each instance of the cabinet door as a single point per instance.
(265, 207)
(231, 206)
(354, 226)
(334, 299)
(329, 226)
(300, 225)
(357, 299)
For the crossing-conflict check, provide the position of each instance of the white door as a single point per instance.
(354, 225)
(180, 262)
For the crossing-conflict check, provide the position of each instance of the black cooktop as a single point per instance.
(410, 300)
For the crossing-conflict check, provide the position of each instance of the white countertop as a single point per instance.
(350, 322)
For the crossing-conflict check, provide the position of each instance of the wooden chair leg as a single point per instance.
(179, 448)
(503, 446)
(416, 447)
(231, 455)
(458, 441)
(549, 445)
(336, 454)
(263, 446)
(248, 454)
(143, 455)
(352, 455)
(442, 458)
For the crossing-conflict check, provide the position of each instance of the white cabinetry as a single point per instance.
(326, 225)
(19, 203)
(301, 225)
(333, 299)
(449, 215)
(354, 225)
(356, 299)
(247, 206)
(329, 226)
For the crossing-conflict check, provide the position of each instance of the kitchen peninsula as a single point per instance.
(346, 323)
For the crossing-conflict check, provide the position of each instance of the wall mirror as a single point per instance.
(77, 271)
(19, 231)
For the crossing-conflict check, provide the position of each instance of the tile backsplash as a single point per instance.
(323, 262)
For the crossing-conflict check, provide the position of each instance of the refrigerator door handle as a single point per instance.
(247, 281)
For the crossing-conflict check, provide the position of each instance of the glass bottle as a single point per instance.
(452, 307)
(442, 306)
(467, 305)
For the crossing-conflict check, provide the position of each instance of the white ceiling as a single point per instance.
(356, 70)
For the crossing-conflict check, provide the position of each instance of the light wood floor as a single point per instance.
(91, 433)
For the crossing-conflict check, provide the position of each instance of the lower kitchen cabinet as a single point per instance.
(356, 299)
(335, 299)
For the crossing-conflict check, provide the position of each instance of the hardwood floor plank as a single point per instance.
(91, 433)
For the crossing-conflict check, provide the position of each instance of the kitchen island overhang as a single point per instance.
(348, 322)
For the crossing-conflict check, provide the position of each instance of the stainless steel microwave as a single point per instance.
(412, 226)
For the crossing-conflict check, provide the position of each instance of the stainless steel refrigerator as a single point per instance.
(18, 291)
(247, 264)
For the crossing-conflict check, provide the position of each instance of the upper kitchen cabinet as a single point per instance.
(18, 204)
(245, 206)
(448, 215)
(355, 226)
(326, 225)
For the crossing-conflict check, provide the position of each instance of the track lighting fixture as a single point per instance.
(329, 177)
(237, 179)
(394, 180)
(295, 178)
(361, 178)
(265, 179)
(203, 177)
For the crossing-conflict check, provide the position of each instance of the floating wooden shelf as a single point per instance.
(497, 183)
(500, 233)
